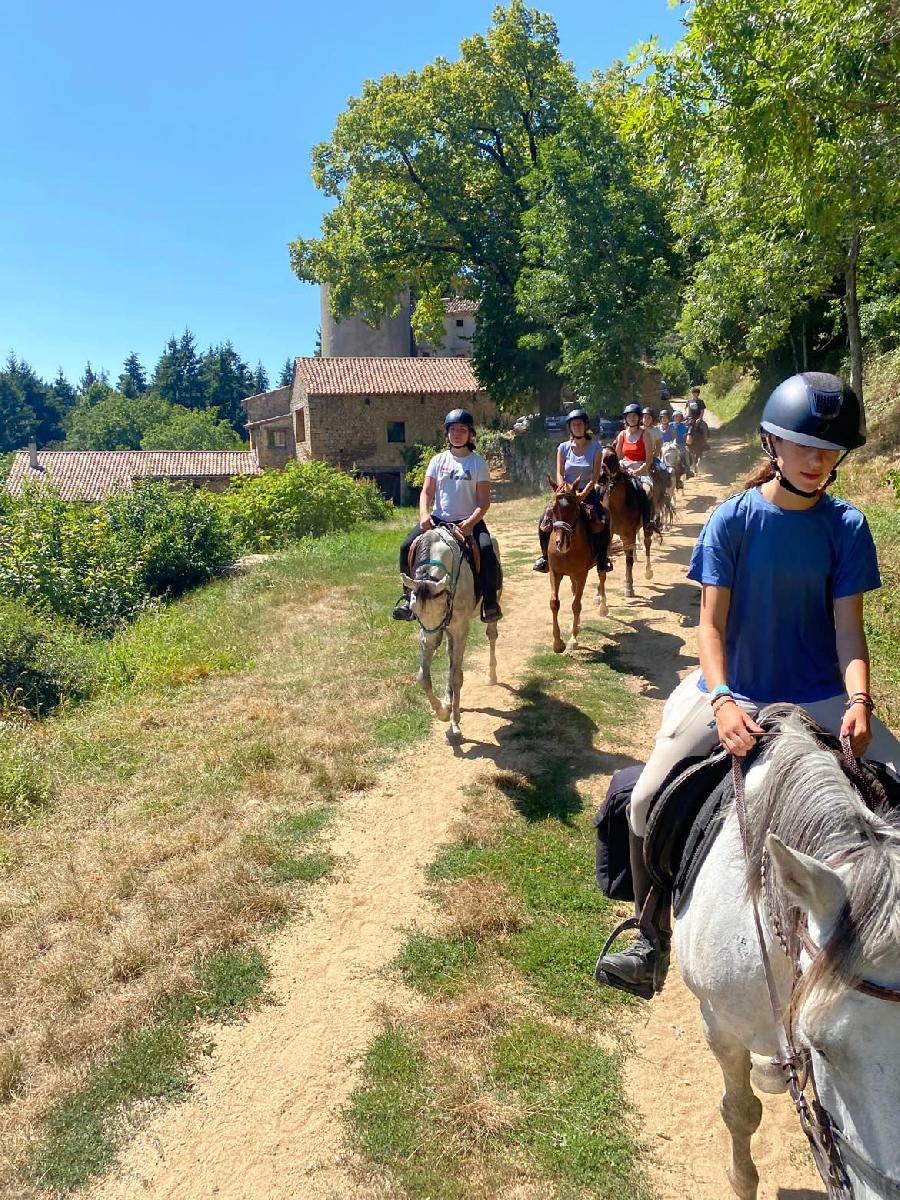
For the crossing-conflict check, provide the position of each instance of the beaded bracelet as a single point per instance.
(862, 698)
(720, 700)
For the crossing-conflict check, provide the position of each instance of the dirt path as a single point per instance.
(263, 1122)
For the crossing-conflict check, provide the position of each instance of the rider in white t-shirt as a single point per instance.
(457, 491)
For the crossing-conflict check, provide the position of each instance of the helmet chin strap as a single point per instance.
(784, 482)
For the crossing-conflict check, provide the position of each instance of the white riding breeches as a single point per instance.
(688, 728)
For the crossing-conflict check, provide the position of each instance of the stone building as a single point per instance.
(354, 337)
(362, 413)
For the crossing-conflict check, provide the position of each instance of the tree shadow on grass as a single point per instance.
(542, 752)
(651, 655)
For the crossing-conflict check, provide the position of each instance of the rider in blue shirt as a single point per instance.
(783, 568)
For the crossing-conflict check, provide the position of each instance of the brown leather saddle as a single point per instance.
(469, 546)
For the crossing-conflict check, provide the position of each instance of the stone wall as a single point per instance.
(353, 430)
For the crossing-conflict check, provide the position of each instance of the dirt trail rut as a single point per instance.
(263, 1121)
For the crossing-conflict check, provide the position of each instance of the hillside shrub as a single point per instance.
(723, 377)
(43, 660)
(24, 785)
(305, 499)
(418, 458)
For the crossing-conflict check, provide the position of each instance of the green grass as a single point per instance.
(25, 786)
(462, 1115)
(550, 1103)
(437, 965)
(83, 1130)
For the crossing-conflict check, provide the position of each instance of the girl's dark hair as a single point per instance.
(763, 473)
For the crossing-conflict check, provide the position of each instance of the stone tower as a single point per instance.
(353, 337)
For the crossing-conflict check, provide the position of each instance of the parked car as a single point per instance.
(606, 428)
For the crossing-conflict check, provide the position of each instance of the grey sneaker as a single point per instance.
(541, 565)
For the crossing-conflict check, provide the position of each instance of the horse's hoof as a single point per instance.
(558, 647)
(454, 736)
(442, 713)
(572, 644)
(604, 608)
(648, 574)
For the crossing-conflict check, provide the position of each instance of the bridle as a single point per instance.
(452, 576)
(831, 1149)
(559, 525)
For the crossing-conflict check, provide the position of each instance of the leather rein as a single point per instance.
(831, 1149)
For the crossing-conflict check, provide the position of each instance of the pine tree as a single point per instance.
(260, 379)
(39, 400)
(286, 378)
(17, 419)
(133, 380)
(226, 381)
(177, 378)
(90, 376)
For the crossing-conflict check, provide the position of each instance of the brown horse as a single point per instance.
(696, 441)
(570, 552)
(621, 498)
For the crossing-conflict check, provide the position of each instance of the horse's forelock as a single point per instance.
(806, 799)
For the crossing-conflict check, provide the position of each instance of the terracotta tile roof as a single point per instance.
(385, 376)
(93, 474)
(458, 305)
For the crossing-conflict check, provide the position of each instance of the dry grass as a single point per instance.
(155, 851)
(480, 907)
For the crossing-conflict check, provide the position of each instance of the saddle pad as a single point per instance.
(674, 809)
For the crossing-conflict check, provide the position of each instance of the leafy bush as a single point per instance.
(674, 371)
(181, 539)
(24, 786)
(43, 660)
(100, 565)
(418, 459)
(723, 377)
(306, 499)
(65, 558)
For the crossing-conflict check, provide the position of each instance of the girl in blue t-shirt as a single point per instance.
(783, 568)
(579, 459)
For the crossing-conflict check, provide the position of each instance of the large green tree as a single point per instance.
(775, 129)
(177, 377)
(17, 418)
(191, 429)
(133, 380)
(225, 381)
(428, 173)
(108, 420)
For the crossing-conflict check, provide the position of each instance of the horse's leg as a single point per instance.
(600, 598)
(558, 644)
(740, 1107)
(577, 592)
(456, 648)
(430, 643)
(648, 538)
(629, 569)
(491, 631)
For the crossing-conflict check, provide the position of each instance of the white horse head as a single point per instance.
(671, 455)
(836, 863)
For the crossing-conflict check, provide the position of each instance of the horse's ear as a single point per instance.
(817, 888)
(408, 583)
(552, 483)
(577, 484)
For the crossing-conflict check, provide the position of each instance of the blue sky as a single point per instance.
(155, 158)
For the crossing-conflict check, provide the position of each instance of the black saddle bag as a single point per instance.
(613, 865)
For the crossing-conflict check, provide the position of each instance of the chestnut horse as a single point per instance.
(620, 497)
(570, 552)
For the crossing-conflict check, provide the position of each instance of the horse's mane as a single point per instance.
(807, 800)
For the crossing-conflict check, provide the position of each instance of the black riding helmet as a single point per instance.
(813, 409)
(646, 412)
(459, 416)
(578, 414)
(631, 408)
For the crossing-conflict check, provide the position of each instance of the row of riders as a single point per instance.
(783, 568)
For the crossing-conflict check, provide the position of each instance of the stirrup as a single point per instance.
(647, 988)
(402, 610)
